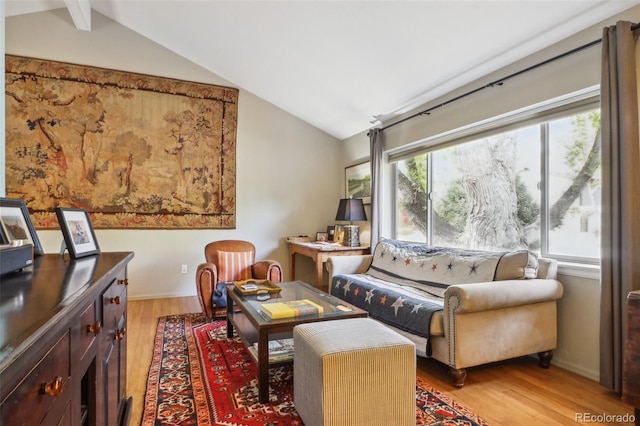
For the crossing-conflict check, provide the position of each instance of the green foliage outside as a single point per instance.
(451, 212)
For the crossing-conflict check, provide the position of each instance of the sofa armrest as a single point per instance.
(491, 295)
(206, 279)
(267, 269)
(357, 264)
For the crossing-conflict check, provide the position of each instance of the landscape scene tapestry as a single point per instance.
(135, 151)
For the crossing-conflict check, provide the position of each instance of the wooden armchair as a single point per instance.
(231, 260)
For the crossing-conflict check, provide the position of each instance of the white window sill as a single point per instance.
(579, 270)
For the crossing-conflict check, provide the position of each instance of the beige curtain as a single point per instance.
(620, 251)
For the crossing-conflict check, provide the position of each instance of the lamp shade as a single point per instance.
(351, 209)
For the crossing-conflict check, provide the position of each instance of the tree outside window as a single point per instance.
(489, 194)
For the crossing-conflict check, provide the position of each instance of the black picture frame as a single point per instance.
(16, 224)
(79, 238)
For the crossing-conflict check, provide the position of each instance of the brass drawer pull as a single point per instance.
(95, 328)
(120, 334)
(124, 282)
(115, 300)
(54, 388)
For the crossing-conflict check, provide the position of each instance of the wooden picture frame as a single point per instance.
(16, 224)
(322, 236)
(79, 238)
(357, 181)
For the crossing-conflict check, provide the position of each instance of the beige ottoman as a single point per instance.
(353, 372)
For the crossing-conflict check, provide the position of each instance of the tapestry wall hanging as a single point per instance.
(135, 151)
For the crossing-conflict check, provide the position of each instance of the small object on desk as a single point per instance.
(250, 286)
(328, 243)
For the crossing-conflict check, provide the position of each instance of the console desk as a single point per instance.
(63, 342)
(319, 253)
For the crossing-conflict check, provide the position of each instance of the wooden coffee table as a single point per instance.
(252, 326)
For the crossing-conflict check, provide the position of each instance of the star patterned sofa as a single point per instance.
(462, 307)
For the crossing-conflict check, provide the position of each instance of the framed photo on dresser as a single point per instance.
(16, 225)
(77, 231)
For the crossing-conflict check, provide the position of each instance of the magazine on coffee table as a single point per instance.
(279, 350)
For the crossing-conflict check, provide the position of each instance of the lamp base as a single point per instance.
(351, 236)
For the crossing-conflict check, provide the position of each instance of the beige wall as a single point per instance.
(288, 180)
(579, 309)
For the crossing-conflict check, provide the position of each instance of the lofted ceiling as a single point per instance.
(340, 65)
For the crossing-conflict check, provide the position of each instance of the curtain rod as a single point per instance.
(500, 81)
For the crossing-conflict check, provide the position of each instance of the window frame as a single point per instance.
(539, 115)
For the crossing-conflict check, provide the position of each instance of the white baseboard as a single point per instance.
(582, 371)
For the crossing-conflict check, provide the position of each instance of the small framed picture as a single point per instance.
(331, 231)
(77, 232)
(357, 181)
(322, 236)
(16, 225)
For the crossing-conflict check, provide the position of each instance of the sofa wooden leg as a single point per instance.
(545, 358)
(458, 376)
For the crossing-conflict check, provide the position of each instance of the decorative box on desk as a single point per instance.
(319, 252)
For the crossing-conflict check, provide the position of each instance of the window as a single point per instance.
(535, 186)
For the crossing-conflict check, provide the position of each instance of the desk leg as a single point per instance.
(319, 270)
(292, 264)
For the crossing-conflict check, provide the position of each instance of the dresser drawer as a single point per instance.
(90, 327)
(46, 385)
(114, 305)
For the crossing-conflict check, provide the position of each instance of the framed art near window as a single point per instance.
(77, 232)
(357, 179)
(16, 225)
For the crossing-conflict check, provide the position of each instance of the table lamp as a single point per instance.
(351, 209)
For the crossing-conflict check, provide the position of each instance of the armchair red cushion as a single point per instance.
(230, 260)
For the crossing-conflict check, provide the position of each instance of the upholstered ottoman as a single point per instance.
(353, 372)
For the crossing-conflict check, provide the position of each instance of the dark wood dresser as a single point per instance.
(631, 367)
(63, 342)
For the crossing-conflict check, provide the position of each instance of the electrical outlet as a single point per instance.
(184, 269)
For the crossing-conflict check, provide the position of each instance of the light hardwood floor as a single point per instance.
(516, 392)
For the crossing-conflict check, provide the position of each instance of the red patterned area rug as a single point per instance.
(199, 377)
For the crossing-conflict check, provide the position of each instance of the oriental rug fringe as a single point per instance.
(199, 377)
